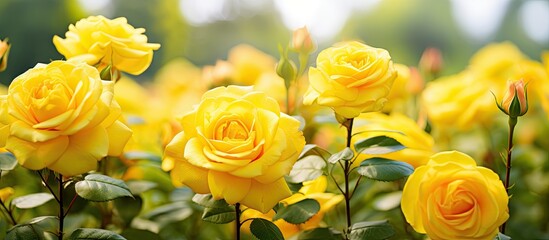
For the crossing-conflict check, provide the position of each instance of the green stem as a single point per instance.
(10, 214)
(61, 211)
(346, 173)
(512, 123)
(237, 220)
(288, 100)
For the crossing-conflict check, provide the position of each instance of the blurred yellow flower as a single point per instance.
(100, 41)
(61, 116)
(400, 93)
(351, 78)
(236, 145)
(452, 198)
(6, 193)
(244, 66)
(314, 189)
(419, 144)
(458, 101)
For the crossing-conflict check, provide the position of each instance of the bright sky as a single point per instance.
(478, 19)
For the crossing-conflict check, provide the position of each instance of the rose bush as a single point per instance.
(61, 116)
(351, 78)
(101, 41)
(452, 198)
(236, 145)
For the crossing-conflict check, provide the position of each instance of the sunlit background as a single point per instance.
(204, 30)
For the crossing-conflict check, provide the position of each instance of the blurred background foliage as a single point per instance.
(204, 31)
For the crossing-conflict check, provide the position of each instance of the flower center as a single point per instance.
(233, 130)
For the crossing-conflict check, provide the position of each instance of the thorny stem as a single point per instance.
(45, 182)
(512, 123)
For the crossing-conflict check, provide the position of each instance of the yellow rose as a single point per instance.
(101, 41)
(452, 198)
(399, 94)
(61, 116)
(236, 145)
(458, 101)
(314, 189)
(6, 193)
(351, 78)
(419, 144)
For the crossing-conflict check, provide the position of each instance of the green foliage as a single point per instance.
(40, 228)
(132, 233)
(502, 236)
(388, 201)
(346, 155)
(171, 212)
(100, 188)
(206, 200)
(91, 233)
(308, 168)
(219, 215)
(313, 149)
(265, 230)
(32, 200)
(298, 212)
(378, 145)
(320, 234)
(382, 169)
(128, 208)
(372, 230)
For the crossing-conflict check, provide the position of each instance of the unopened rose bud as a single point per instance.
(431, 61)
(302, 41)
(286, 69)
(416, 83)
(4, 52)
(515, 100)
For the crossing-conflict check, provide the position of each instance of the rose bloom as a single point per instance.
(314, 189)
(61, 116)
(236, 145)
(351, 78)
(4, 52)
(458, 101)
(419, 144)
(101, 41)
(452, 198)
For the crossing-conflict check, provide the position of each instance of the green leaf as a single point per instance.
(32, 200)
(502, 236)
(372, 230)
(319, 234)
(139, 186)
(96, 234)
(132, 233)
(7, 161)
(313, 149)
(378, 145)
(346, 155)
(172, 212)
(306, 169)
(298, 212)
(219, 215)
(206, 200)
(264, 229)
(37, 228)
(101, 188)
(382, 169)
(128, 208)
